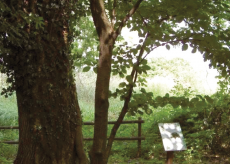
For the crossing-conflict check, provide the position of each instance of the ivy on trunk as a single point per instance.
(50, 123)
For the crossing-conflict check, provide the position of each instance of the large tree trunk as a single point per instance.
(50, 123)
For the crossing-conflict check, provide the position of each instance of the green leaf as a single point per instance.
(144, 62)
(121, 85)
(168, 47)
(132, 104)
(167, 95)
(86, 69)
(184, 47)
(185, 103)
(224, 73)
(87, 62)
(95, 69)
(143, 90)
(209, 99)
(194, 100)
(140, 112)
(200, 104)
(146, 67)
(121, 75)
(158, 99)
(129, 79)
(194, 50)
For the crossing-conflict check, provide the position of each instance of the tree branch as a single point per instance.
(100, 18)
(110, 9)
(131, 12)
(113, 13)
(124, 110)
(163, 44)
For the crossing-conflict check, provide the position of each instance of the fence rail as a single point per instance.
(8, 127)
(139, 137)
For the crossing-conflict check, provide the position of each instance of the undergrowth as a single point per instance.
(206, 131)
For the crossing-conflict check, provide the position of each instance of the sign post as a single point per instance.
(172, 139)
(169, 159)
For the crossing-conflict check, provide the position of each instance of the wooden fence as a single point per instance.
(139, 137)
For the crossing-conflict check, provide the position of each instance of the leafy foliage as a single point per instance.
(168, 24)
(206, 130)
(84, 49)
(157, 23)
(22, 30)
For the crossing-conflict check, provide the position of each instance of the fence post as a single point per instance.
(139, 135)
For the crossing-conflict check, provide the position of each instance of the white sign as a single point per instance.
(172, 136)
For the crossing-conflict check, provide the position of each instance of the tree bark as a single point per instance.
(107, 37)
(50, 123)
(105, 34)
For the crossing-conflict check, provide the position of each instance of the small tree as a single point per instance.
(159, 23)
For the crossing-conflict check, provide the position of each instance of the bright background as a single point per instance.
(206, 74)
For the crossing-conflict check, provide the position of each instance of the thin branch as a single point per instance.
(131, 12)
(139, 60)
(166, 18)
(160, 21)
(163, 44)
(124, 110)
(110, 9)
(113, 18)
(143, 19)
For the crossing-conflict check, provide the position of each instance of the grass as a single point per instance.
(122, 151)
(8, 117)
